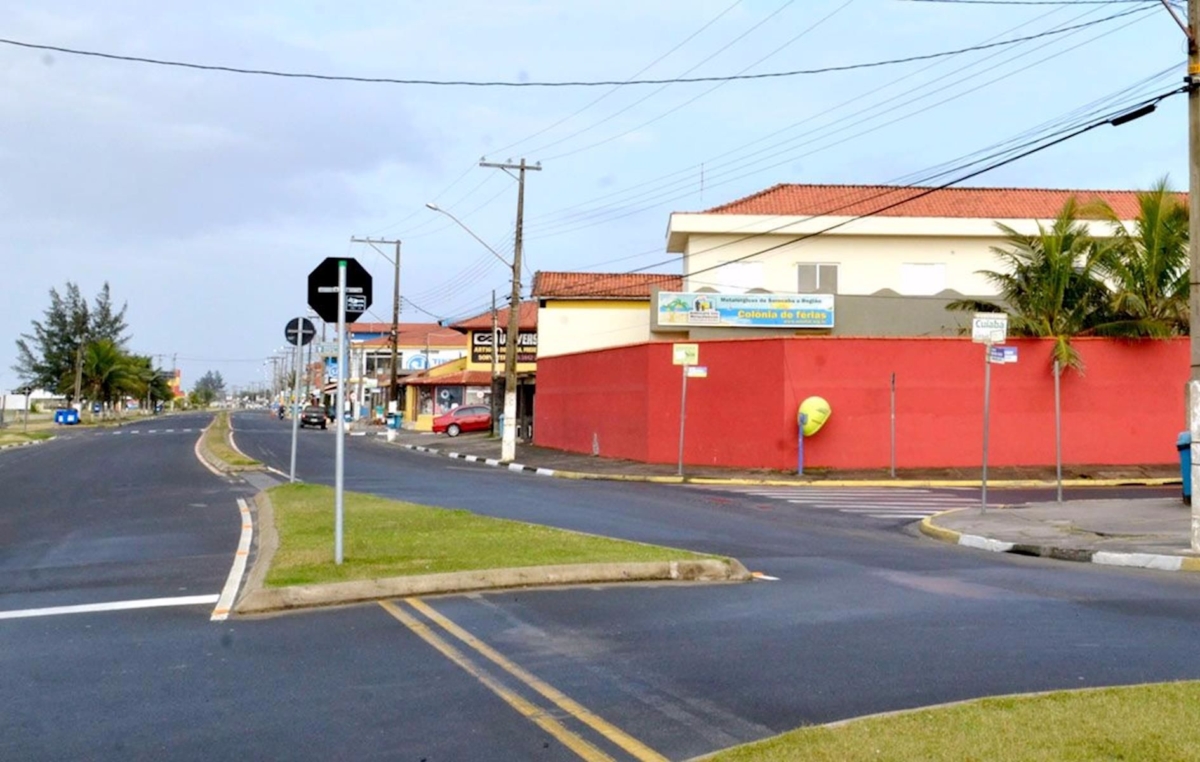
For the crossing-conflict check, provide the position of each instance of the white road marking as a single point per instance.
(170, 431)
(229, 593)
(884, 503)
(87, 608)
(152, 431)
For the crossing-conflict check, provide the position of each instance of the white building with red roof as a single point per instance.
(859, 241)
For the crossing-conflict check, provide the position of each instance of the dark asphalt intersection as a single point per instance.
(864, 618)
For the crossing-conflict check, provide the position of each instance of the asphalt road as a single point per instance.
(865, 617)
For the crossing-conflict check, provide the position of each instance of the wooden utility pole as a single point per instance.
(508, 442)
(394, 389)
(1193, 80)
(495, 360)
(1191, 29)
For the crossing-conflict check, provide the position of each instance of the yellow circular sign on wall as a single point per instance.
(814, 411)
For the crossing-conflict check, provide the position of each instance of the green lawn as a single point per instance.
(387, 538)
(8, 436)
(216, 439)
(1148, 723)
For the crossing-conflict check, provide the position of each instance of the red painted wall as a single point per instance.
(1126, 408)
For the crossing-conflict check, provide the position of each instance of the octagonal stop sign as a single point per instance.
(323, 289)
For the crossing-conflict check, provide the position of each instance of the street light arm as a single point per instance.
(459, 222)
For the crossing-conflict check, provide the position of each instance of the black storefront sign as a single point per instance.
(481, 346)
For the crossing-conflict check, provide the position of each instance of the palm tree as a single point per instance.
(1049, 283)
(107, 371)
(1148, 266)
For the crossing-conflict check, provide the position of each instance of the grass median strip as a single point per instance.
(1147, 723)
(389, 538)
(18, 437)
(216, 439)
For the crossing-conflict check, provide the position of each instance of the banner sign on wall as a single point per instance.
(481, 346)
(745, 310)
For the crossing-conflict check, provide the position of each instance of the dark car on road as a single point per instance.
(313, 415)
(470, 418)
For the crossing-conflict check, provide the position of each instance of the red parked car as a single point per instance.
(473, 418)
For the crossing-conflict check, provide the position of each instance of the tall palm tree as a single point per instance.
(1148, 266)
(107, 371)
(1049, 283)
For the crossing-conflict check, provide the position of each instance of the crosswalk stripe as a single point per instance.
(890, 509)
(897, 515)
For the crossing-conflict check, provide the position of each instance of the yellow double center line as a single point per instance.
(537, 715)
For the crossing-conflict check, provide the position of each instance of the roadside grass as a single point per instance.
(389, 538)
(17, 437)
(1145, 723)
(216, 439)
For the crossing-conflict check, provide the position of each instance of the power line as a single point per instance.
(636, 74)
(655, 199)
(563, 83)
(998, 160)
(655, 187)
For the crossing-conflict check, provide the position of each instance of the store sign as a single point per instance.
(481, 346)
(745, 310)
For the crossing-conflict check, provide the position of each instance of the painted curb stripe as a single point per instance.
(1154, 561)
(87, 608)
(229, 593)
(1139, 560)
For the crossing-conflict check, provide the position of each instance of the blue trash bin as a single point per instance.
(1184, 444)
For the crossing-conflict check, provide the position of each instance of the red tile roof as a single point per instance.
(443, 338)
(526, 319)
(559, 285)
(462, 378)
(979, 203)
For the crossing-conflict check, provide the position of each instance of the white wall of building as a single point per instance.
(577, 326)
(916, 256)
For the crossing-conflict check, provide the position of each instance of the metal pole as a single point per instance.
(893, 408)
(987, 400)
(296, 397)
(1058, 427)
(1193, 79)
(394, 393)
(25, 422)
(340, 456)
(682, 416)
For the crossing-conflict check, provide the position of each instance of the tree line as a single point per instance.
(1067, 281)
(80, 350)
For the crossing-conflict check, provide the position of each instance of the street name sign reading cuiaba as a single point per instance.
(299, 331)
(989, 327)
(323, 289)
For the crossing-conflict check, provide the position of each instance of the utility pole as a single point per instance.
(508, 442)
(495, 360)
(1191, 30)
(394, 392)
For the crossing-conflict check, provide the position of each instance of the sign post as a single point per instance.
(989, 329)
(299, 331)
(685, 355)
(339, 290)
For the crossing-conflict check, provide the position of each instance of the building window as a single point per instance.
(424, 400)
(817, 278)
(922, 278)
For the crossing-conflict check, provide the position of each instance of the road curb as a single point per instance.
(742, 482)
(256, 598)
(1154, 561)
(268, 600)
(30, 443)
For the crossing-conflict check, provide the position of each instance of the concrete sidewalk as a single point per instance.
(1153, 533)
(481, 447)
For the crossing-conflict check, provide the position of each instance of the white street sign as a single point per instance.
(989, 327)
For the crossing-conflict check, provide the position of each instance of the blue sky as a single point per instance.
(206, 198)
